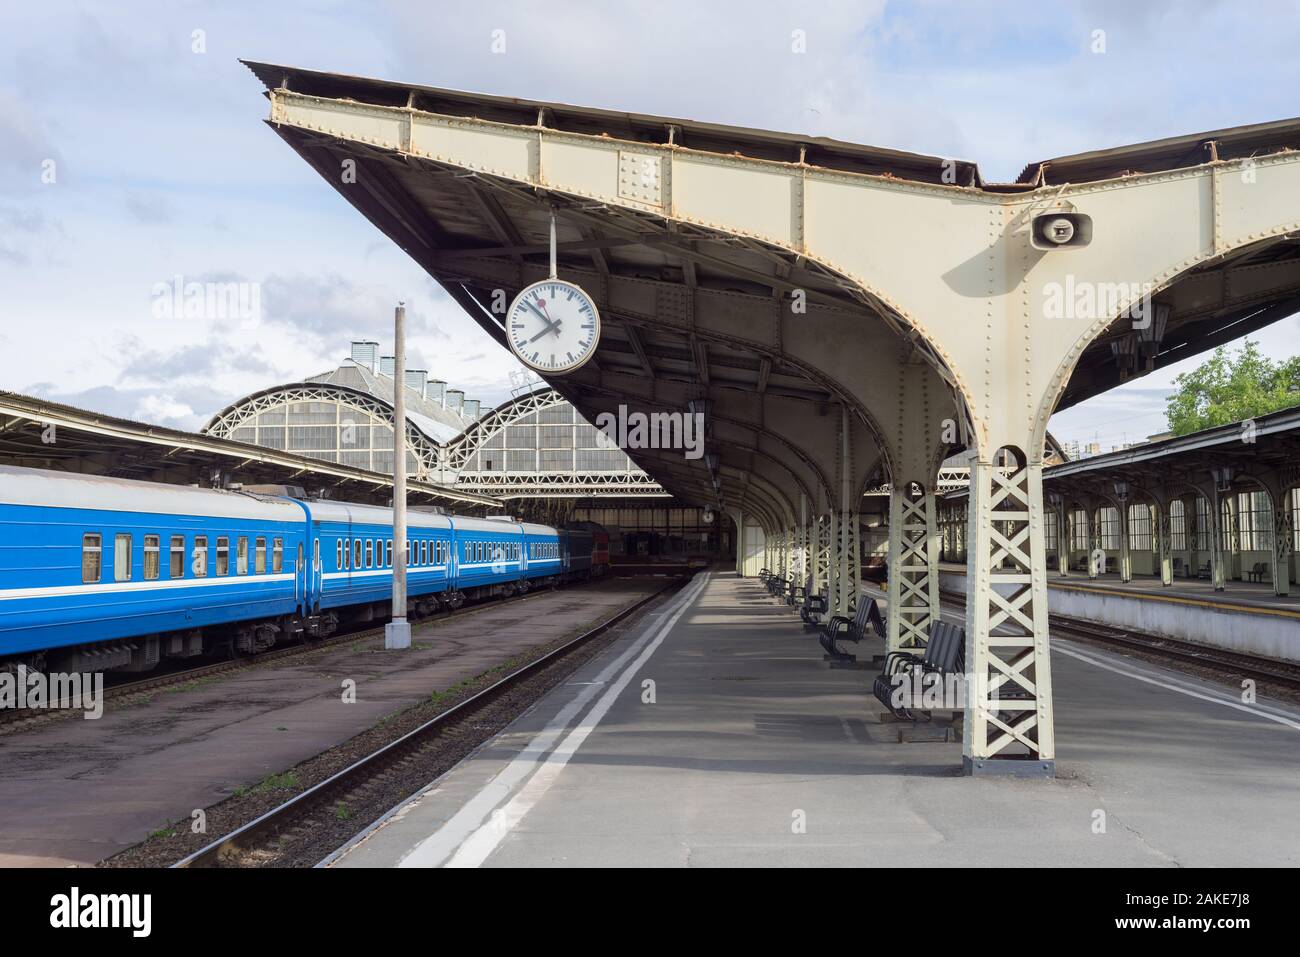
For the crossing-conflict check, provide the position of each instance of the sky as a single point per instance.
(134, 154)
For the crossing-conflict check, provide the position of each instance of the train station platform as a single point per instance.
(1247, 617)
(715, 735)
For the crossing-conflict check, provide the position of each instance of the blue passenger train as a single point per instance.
(103, 573)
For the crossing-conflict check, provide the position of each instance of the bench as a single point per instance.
(852, 629)
(1203, 571)
(813, 607)
(771, 581)
(945, 654)
(795, 594)
(1257, 572)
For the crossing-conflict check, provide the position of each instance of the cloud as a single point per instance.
(149, 208)
(209, 360)
(177, 139)
(23, 228)
(173, 408)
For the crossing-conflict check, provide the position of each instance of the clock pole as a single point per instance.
(397, 633)
(554, 272)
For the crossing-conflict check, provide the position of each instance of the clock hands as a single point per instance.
(552, 325)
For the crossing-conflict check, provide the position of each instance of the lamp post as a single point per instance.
(397, 633)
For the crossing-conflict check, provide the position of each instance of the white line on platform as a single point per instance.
(466, 835)
(1181, 689)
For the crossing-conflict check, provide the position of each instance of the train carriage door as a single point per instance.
(317, 576)
(300, 582)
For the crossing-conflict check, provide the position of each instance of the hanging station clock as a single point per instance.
(553, 327)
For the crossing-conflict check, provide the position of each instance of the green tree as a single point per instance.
(1229, 387)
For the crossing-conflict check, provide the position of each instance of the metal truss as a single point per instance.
(243, 414)
(823, 528)
(458, 454)
(447, 462)
(1009, 711)
(913, 568)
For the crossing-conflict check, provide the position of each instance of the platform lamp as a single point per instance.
(701, 407)
(1121, 490)
(1222, 475)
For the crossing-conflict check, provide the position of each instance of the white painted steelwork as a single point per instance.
(852, 315)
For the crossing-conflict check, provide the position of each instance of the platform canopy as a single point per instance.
(693, 311)
(841, 314)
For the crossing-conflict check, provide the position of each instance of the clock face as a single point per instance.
(553, 326)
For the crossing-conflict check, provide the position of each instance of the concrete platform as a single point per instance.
(748, 750)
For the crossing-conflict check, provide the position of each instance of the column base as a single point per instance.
(1008, 767)
(397, 634)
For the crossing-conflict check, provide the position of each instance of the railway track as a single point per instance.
(26, 718)
(258, 840)
(1279, 673)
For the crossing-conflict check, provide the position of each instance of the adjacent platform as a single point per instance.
(747, 749)
(1247, 617)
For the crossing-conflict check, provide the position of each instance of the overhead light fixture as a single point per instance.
(1222, 475)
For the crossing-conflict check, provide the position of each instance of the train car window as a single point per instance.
(338, 553)
(90, 558)
(356, 553)
(259, 557)
(241, 555)
(277, 555)
(223, 556)
(176, 564)
(122, 558)
(388, 553)
(200, 563)
(151, 556)
(370, 553)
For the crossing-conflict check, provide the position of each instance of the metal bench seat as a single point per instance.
(813, 607)
(852, 629)
(945, 654)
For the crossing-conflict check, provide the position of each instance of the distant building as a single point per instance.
(535, 445)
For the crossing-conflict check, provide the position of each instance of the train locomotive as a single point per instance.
(101, 574)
